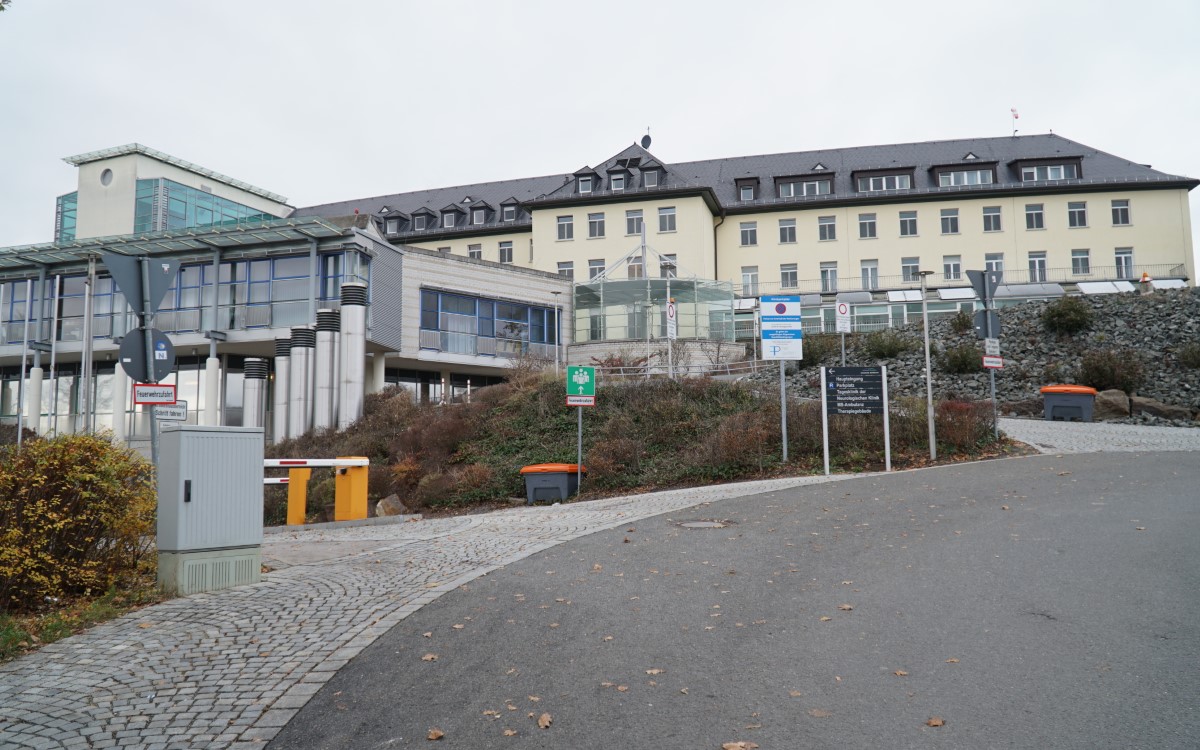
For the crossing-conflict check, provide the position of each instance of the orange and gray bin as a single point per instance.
(551, 481)
(1069, 403)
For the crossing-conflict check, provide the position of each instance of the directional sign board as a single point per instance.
(672, 321)
(843, 318)
(133, 355)
(581, 381)
(854, 390)
(782, 335)
(176, 412)
(126, 271)
(153, 393)
(993, 363)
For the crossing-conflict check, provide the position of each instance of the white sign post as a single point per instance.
(782, 339)
(843, 326)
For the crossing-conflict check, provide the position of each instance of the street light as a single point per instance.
(557, 333)
(928, 376)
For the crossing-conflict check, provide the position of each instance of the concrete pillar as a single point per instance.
(446, 388)
(33, 400)
(120, 394)
(212, 393)
(379, 372)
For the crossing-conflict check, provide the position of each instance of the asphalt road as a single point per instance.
(1041, 602)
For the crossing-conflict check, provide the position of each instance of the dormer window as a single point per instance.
(392, 226)
(884, 182)
(747, 188)
(478, 215)
(617, 182)
(965, 177)
(585, 185)
(419, 222)
(650, 178)
(509, 213)
(795, 187)
(746, 192)
(449, 219)
(1049, 172)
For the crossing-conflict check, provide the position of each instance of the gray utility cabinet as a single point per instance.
(210, 507)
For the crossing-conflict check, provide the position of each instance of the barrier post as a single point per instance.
(350, 491)
(297, 496)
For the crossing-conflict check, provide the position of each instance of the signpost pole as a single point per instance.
(146, 331)
(783, 407)
(887, 428)
(843, 350)
(824, 421)
(579, 453)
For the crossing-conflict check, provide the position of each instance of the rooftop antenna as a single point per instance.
(646, 138)
(1015, 117)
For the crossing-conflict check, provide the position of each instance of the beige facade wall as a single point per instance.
(691, 241)
(1158, 233)
(105, 210)
(489, 245)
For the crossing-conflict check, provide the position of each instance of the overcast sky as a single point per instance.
(333, 100)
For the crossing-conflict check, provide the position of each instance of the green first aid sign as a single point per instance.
(581, 381)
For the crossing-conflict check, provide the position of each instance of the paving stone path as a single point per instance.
(230, 668)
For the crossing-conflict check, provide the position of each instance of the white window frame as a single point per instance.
(595, 225)
(449, 220)
(746, 192)
(566, 228)
(585, 185)
(509, 213)
(789, 277)
(826, 228)
(475, 251)
(1044, 172)
(566, 269)
(478, 216)
(595, 267)
(616, 183)
(666, 219)
(749, 233)
(949, 220)
(880, 183)
(992, 219)
(815, 187)
(908, 220)
(993, 262)
(668, 266)
(787, 231)
(868, 228)
(829, 276)
(1035, 214)
(1120, 210)
(1077, 214)
(965, 177)
(650, 178)
(419, 222)
(910, 269)
(633, 222)
(869, 271)
(1123, 257)
(1081, 262)
(951, 267)
(392, 226)
(505, 250)
(1037, 267)
(749, 281)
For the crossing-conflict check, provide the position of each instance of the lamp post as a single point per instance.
(928, 375)
(557, 333)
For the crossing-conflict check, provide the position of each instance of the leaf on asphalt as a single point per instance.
(845, 607)
(607, 638)
(561, 600)
(826, 619)
(534, 699)
(683, 690)
(492, 713)
(739, 746)
(554, 624)
(795, 693)
(429, 657)
(597, 567)
(544, 721)
(847, 583)
(900, 673)
(1140, 528)
(753, 726)
(819, 713)
(510, 733)
(509, 705)
(622, 688)
(1003, 507)
(655, 671)
(607, 684)
(952, 660)
(144, 625)
(458, 626)
(511, 671)
(427, 635)
(935, 721)
(1064, 473)
(759, 622)
(435, 734)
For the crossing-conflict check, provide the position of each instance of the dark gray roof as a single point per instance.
(1098, 170)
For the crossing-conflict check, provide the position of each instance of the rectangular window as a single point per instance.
(746, 192)
(509, 213)
(749, 231)
(506, 251)
(965, 177)
(951, 267)
(449, 220)
(419, 222)
(910, 269)
(870, 274)
(1077, 214)
(477, 215)
(393, 226)
(787, 231)
(585, 185)
(1120, 212)
(908, 223)
(949, 221)
(566, 227)
(1034, 218)
(566, 269)
(827, 228)
(1049, 172)
(829, 276)
(634, 267)
(633, 222)
(1124, 257)
(617, 182)
(1037, 267)
(667, 268)
(884, 182)
(666, 219)
(650, 178)
(788, 279)
(994, 262)
(595, 268)
(1081, 262)
(866, 226)
(749, 281)
(991, 219)
(475, 251)
(803, 187)
(595, 225)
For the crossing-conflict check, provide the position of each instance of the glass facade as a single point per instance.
(66, 209)
(164, 205)
(460, 324)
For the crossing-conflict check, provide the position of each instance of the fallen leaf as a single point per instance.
(607, 638)
(544, 721)
(795, 693)
(622, 688)
(510, 706)
(144, 625)
(819, 713)
(847, 583)
(826, 619)
(683, 690)
(753, 726)
(560, 600)
(739, 746)
(759, 622)
(1003, 507)
(435, 734)
(534, 699)
(554, 624)
(900, 673)
(845, 607)
(510, 733)
(458, 626)
(427, 635)
(935, 721)
(429, 657)
(1063, 473)
(597, 567)
(1140, 528)
(952, 660)
(492, 713)
(655, 671)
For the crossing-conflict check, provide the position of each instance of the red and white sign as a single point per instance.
(581, 400)
(153, 393)
(993, 363)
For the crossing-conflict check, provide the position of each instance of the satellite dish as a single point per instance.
(646, 141)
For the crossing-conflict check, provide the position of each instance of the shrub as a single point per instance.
(818, 348)
(1067, 315)
(962, 323)
(888, 344)
(962, 360)
(1189, 356)
(1104, 369)
(963, 425)
(75, 516)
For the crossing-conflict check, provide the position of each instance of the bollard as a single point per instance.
(297, 507)
(350, 491)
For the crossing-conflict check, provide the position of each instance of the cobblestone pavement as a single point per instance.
(1099, 437)
(230, 668)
